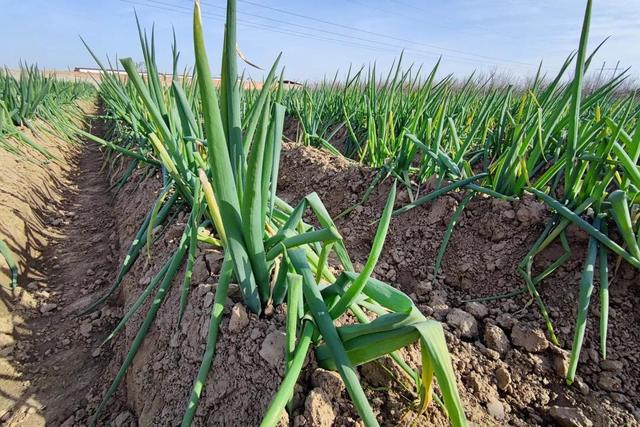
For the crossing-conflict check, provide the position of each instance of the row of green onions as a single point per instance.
(219, 153)
(35, 94)
(577, 151)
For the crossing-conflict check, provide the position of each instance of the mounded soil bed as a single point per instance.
(506, 366)
(508, 373)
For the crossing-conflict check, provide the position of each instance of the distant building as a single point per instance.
(97, 71)
(248, 84)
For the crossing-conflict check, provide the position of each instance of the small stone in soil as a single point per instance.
(608, 382)
(464, 322)
(582, 387)
(503, 377)
(477, 310)
(255, 334)
(48, 307)
(496, 339)
(272, 349)
(438, 303)
(532, 340)
(506, 321)
(329, 381)
(569, 417)
(208, 300)
(496, 409)
(239, 318)
(202, 289)
(318, 409)
(85, 329)
(560, 361)
(612, 365)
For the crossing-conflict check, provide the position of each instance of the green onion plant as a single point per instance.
(218, 150)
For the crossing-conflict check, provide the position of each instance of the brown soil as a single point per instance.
(158, 384)
(57, 220)
(490, 240)
(507, 371)
(517, 387)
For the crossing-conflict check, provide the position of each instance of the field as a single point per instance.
(391, 247)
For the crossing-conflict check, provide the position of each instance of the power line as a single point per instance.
(418, 12)
(405, 4)
(374, 33)
(293, 24)
(221, 18)
(376, 47)
(383, 10)
(347, 36)
(437, 52)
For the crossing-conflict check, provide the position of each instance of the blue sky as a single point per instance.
(510, 36)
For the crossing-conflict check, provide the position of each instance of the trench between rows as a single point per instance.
(54, 361)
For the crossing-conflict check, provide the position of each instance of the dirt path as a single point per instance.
(56, 356)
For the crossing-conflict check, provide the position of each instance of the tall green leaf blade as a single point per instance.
(224, 184)
(576, 96)
(325, 324)
(432, 338)
(272, 159)
(254, 114)
(378, 242)
(253, 224)
(11, 263)
(586, 289)
(230, 96)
